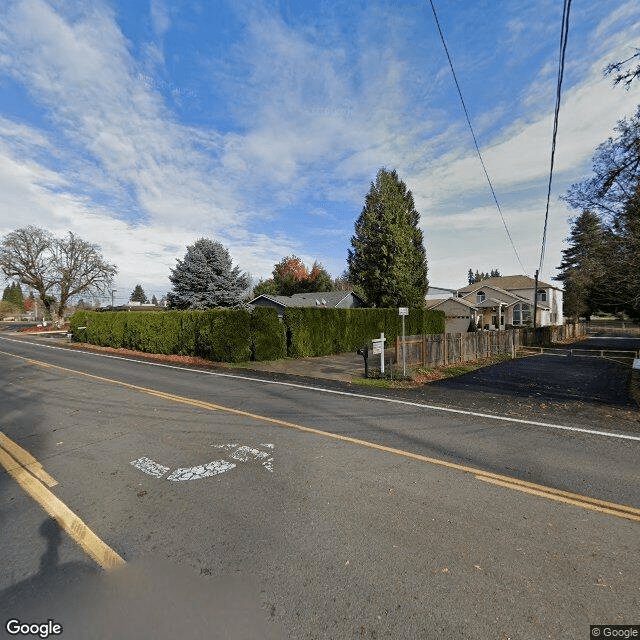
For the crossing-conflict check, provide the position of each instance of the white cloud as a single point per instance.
(315, 117)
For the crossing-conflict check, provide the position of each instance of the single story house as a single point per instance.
(320, 299)
(494, 303)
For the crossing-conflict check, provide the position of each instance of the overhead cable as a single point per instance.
(473, 135)
(564, 33)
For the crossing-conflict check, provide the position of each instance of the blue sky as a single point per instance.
(143, 126)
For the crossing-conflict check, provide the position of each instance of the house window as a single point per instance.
(542, 295)
(480, 297)
(521, 313)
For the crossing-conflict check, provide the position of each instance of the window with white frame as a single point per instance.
(542, 295)
(521, 313)
(480, 297)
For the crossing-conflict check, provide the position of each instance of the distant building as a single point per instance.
(326, 300)
(494, 303)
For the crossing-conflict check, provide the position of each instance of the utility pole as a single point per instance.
(114, 290)
(535, 301)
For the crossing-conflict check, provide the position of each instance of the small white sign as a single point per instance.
(403, 311)
(377, 346)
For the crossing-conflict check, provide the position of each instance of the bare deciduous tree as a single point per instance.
(57, 268)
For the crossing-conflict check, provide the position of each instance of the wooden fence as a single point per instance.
(613, 327)
(449, 348)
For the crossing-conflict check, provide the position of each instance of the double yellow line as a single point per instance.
(30, 475)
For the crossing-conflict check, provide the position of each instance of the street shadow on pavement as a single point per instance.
(148, 599)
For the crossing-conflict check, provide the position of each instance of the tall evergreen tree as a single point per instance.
(205, 278)
(388, 259)
(623, 256)
(13, 293)
(583, 269)
(138, 295)
(18, 297)
(154, 300)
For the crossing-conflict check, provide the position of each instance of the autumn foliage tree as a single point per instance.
(291, 276)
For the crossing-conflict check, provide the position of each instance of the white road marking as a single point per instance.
(150, 467)
(201, 471)
(489, 416)
(238, 452)
(244, 453)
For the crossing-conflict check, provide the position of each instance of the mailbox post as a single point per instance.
(364, 352)
(378, 347)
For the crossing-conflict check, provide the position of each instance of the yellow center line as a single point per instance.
(618, 510)
(25, 459)
(551, 493)
(104, 555)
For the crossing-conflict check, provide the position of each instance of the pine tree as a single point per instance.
(582, 269)
(138, 295)
(205, 278)
(18, 297)
(388, 259)
(13, 294)
(623, 256)
(154, 300)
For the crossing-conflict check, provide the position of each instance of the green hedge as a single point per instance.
(235, 335)
(321, 332)
(217, 334)
(268, 335)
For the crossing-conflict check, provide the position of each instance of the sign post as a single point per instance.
(403, 311)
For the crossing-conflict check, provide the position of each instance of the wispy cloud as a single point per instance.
(312, 114)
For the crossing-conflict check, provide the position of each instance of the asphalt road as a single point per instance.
(307, 536)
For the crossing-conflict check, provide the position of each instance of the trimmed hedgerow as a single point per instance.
(216, 334)
(234, 335)
(223, 335)
(268, 335)
(320, 332)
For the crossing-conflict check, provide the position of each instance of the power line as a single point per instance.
(473, 135)
(564, 33)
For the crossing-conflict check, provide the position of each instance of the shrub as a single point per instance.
(268, 335)
(319, 332)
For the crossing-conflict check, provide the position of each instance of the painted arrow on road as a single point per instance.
(237, 452)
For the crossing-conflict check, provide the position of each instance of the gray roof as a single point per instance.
(327, 299)
(507, 282)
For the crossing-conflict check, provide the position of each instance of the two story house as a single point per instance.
(497, 302)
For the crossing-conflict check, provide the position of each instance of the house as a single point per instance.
(326, 299)
(495, 303)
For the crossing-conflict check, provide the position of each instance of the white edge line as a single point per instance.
(606, 434)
